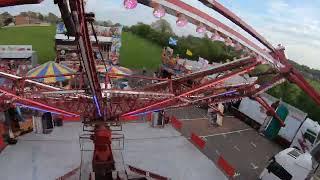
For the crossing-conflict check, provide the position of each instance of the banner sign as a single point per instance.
(15, 48)
(100, 30)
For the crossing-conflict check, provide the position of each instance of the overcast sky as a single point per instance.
(293, 23)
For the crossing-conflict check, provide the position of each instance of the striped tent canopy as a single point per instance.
(114, 70)
(50, 68)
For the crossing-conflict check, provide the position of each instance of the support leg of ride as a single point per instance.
(102, 162)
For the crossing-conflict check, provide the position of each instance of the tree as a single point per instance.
(5, 14)
(162, 25)
(41, 17)
(126, 29)
(107, 23)
(32, 14)
(52, 18)
(7, 21)
(200, 47)
(141, 29)
(24, 14)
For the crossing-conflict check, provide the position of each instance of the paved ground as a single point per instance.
(238, 143)
(160, 150)
(247, 151)
(42, 156)
(166, 152)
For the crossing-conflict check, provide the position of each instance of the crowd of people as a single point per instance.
(15, 68)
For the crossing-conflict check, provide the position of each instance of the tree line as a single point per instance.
(292, 94)
(308, 72)
(160, 31)
(6, 18)
(289, 92)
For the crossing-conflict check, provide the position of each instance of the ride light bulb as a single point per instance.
(130, 4)
(182, 20)
(201, 29)
(159, 11)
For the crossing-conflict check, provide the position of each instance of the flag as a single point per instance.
(173, 41)
(189, 52)
(61, 28)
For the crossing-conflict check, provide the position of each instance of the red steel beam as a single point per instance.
(49, 76)
(238, 21)
(295, 77)
(134, 76)
(87, 53)
(278, 79)
(206, 85)
(298, 79)
(223, 67)
(5, 3)
(34, 83)
(199, 74)
(269, 109)
(29, 102)
(212, 20)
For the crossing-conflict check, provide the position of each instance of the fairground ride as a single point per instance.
(102, 108)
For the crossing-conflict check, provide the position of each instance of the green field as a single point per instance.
(41, 39)
(138, 53)
(135, 52)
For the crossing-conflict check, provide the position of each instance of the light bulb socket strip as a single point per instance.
(130, 4)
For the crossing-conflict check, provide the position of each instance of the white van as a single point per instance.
(289, 164)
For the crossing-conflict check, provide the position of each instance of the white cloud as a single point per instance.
(277, 6)
(296, 26)
(45, 7)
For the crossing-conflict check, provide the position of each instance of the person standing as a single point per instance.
(220, 114)
(155, 75)
(144, 71)
(212, 116)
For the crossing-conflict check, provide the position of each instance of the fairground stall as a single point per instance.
(17, 59)
(106, 43)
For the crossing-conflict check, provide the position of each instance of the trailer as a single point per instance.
(299, 131)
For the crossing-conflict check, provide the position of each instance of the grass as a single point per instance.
(40, 37)
(135, 52)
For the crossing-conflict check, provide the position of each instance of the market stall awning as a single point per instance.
(114, 70)
(50, 68)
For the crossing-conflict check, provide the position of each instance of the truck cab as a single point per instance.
(307, 136)
(289, 164)
(299, 132)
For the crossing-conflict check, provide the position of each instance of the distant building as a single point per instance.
(23, 20)
(17, 59)
(109, 39)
